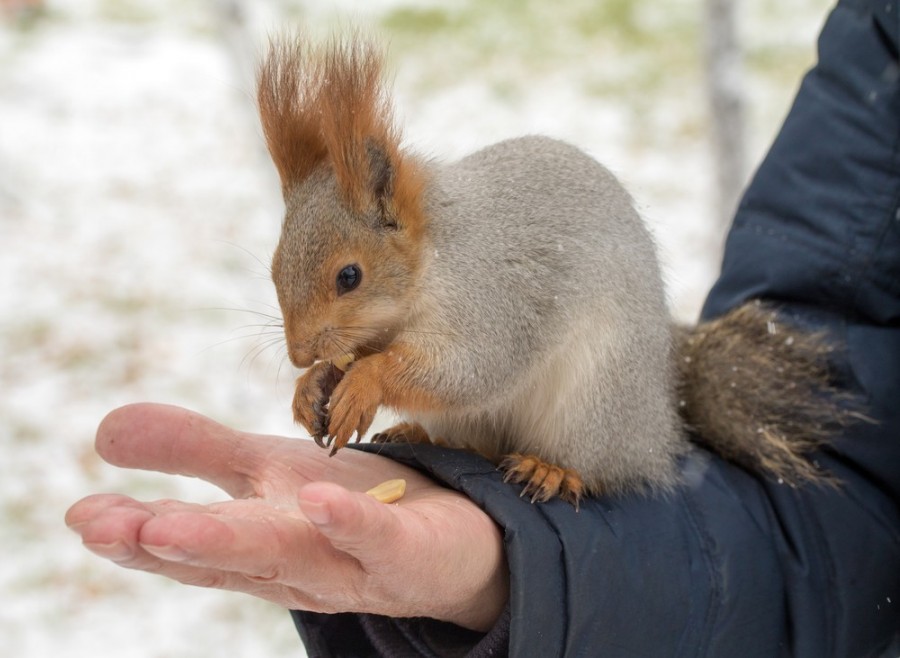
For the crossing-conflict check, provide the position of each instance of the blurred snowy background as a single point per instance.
(138, 212)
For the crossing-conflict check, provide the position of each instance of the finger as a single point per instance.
(378, 539)
(107, 519)
(265, 547)
(89, 508)
(244, 547)
(353, 522)
(116, 533)
(174, 440)
(444, 544)
(113, 531)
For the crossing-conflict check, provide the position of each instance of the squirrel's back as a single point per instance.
(538, 258)
(540, 218)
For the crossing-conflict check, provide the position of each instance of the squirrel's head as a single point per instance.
(346, 265)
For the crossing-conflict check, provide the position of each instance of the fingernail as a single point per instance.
(77, 526)
(167, 553)
(318, 513)
(116, 551)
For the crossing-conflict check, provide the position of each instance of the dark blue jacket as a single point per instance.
(733, 564)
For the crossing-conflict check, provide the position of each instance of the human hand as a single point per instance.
(299, 532)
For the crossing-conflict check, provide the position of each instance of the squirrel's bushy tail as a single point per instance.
(759, 392)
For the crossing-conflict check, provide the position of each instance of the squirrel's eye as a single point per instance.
(348, 278)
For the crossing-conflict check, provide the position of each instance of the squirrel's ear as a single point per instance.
(289, 86)
(396, 187)
(381, 171)
(381, 186)
(361, 139)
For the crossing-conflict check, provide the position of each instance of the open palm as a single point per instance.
(298, 531)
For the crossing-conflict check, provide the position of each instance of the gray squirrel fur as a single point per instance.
(510, 302)
(561, 348)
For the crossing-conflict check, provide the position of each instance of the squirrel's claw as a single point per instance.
(322, 438)
(320, 424)
(542, 481)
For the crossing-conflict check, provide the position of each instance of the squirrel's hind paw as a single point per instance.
(542, 481)
(403, 433)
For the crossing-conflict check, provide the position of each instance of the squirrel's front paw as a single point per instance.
(310, 405)
(353, 405)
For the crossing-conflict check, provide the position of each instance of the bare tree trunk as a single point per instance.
(241, 28)
(725, 85)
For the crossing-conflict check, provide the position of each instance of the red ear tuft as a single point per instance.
(330, 103)
(288, 91)
(360, 135)
(357, 122)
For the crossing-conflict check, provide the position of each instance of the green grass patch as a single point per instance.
(617, 46)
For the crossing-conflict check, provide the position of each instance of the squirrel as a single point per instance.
(509, 303)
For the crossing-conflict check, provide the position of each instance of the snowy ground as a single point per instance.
(137, 206)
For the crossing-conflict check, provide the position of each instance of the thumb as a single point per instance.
(353, 522)
(157, 437)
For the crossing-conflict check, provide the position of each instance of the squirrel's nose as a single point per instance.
(299, 357)
(301, 353)
(300, 343)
